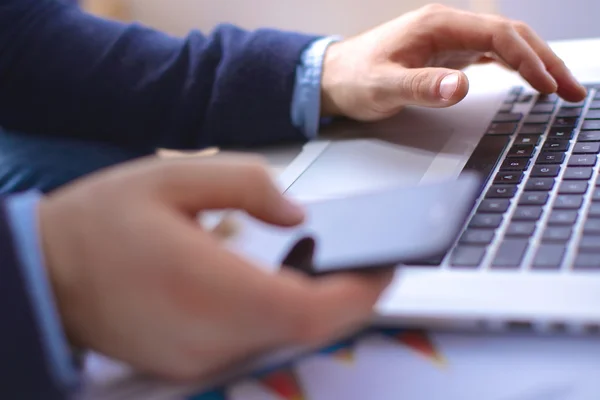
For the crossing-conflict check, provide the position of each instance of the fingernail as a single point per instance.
(448, 86)
(553, 81)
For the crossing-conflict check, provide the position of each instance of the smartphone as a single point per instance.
(366, 231)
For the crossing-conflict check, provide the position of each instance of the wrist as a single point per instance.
(330, 81)
(54, 250)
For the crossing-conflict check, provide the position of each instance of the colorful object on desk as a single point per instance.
(284, 382)
(342, 351)
(419, 341)
(212, 395)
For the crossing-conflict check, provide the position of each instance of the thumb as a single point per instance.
(226, 183)
(429, 87)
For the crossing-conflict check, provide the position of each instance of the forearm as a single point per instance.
(68, 73)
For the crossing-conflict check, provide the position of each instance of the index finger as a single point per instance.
(568, 86)
(493, 34)
(317, 310)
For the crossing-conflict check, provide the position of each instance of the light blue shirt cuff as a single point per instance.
(22, 210)
(306, 101)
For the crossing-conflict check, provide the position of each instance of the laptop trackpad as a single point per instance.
(346, 167)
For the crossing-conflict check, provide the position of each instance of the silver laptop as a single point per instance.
(529, 255)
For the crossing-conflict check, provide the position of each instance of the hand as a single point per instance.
(415, 60)
(138, 279)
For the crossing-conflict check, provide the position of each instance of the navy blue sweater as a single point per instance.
(63, 72)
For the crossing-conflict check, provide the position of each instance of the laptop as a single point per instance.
(528, 256)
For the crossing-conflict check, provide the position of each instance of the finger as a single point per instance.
(499, 36)
(427, 87)
(514, 51)
(239, 182)
(491, 58)
(568, 87)
(485, 60)
(316, 310)
(298, 309)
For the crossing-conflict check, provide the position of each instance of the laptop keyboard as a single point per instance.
(541, 206)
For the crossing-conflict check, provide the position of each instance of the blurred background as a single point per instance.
(553, 19)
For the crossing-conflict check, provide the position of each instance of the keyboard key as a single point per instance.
(589, 136)
(596, 194)
(506, 108)
(569, 112)
(467, 256)
(541, 184)
(535, 129)
(533, 198)
(560, 234)
(589, 244)
(556, 145)
(525, 98)
(561, 133)
(478, 236)
(593, 114)
(591, 226)
(528, 139)
(549, 256)
(485, 156)
(494, 206)
(586, 261)
(595, 105)
(590, 125)
(538, 118)
(568, 202)
(490, 221)
(573, 187)
(508, 117)
(565, 122)
(527, 213)
(550, 158)
(501, 191)
(502, 128)
(586, 148)
(582, 160)
(547, 98)
(521, 151)
(524, 229)
(562, 217)
(578, 173)
(511, 98)
(514, 164)
(509, 177)
(577, 104)
(543, 108)
(594, 210)
(548, 171)
(510, 253)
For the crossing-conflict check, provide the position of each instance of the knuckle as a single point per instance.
(256, 172)
(504, 25)
(434, 8)
(520, 26)
(418, 85)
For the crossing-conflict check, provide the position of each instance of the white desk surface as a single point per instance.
(555, 358)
